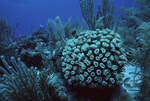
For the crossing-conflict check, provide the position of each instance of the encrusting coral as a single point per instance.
(94, 59)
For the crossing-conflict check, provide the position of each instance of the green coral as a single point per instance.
(96, 65)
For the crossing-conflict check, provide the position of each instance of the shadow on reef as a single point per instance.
(91, 94)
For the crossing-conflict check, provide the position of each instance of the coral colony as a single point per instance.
(95, 59)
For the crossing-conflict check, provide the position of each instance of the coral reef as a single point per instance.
(71, 63)
(94, 59)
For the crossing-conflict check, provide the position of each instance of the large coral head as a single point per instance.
(94, 59)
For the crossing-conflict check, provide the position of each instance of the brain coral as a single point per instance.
(94, 59)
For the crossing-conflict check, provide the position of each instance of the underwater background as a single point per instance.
(74, 50)
(30, 14)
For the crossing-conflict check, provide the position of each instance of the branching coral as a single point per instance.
(144, 35)
(132, 17)
(104, 12)
(87, 12)
(144, 41)
(51, 31)
(5, 31)
(136, 55)
(145, 88)
(22, 84)
(141, 56)
(143, 2)
(59, 30)
(72, 28)
(145, 9)
(60, 33)
(129, 36)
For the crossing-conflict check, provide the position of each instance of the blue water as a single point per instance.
(32, 13)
